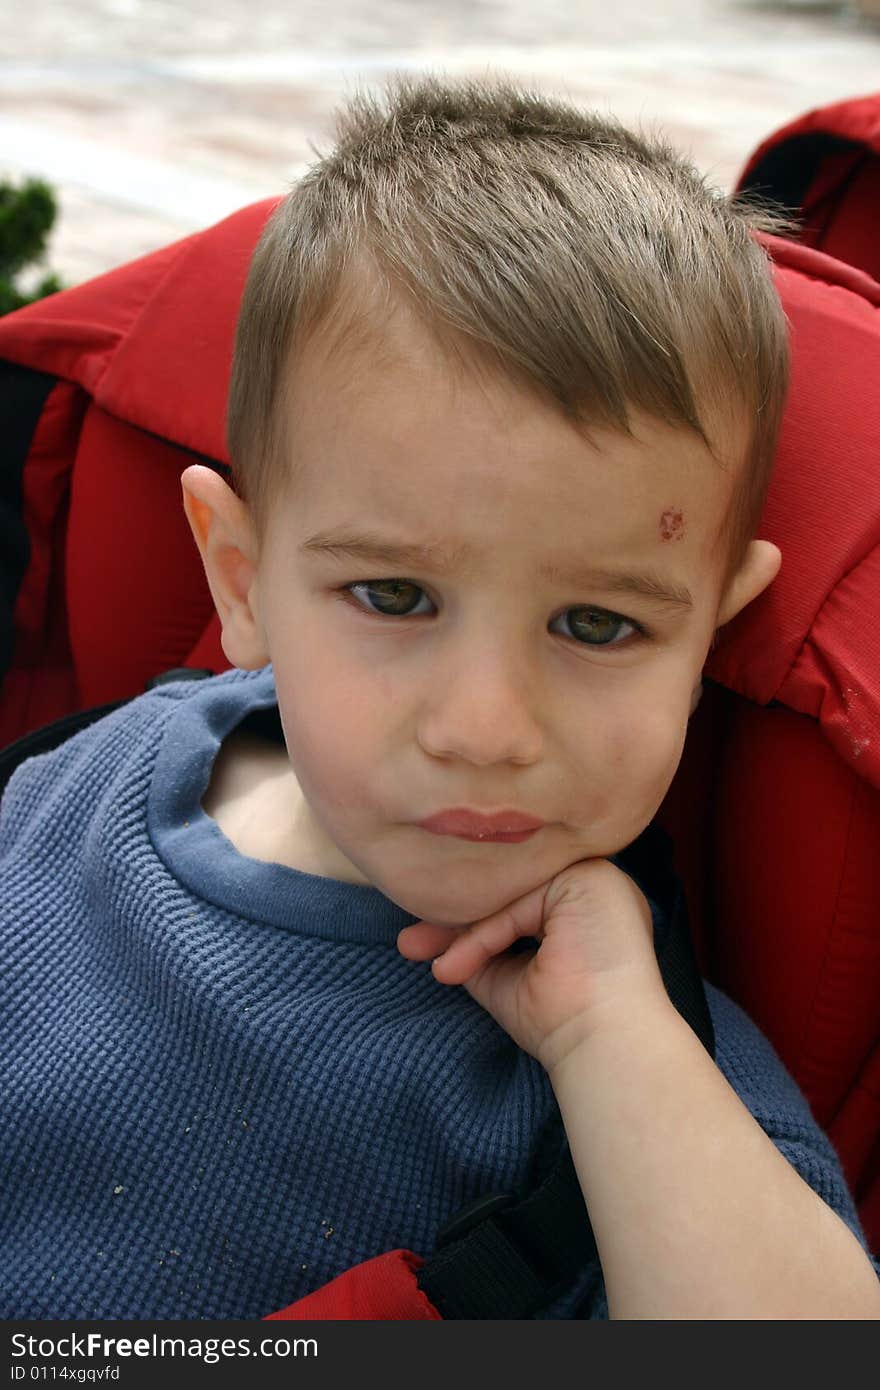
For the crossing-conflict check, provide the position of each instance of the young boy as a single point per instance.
(506, 389)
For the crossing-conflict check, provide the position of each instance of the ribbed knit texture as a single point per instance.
(221, 1083)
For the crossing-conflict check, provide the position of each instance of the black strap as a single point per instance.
(511, 1255)
(786, 171)
(23, 395)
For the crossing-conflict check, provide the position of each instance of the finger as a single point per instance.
(495, 989)
(424, 940)
(473, 948)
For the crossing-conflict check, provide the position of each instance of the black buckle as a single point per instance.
(471, 1215)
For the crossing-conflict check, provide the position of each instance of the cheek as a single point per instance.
(634, 767)
(643, 751)
(335, 729)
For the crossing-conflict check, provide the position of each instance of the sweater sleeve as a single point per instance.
(50, 787)
(755, 1071)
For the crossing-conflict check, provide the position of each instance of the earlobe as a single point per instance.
(759, 568)
(224, 534)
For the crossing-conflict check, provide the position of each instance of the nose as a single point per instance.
(483, 711)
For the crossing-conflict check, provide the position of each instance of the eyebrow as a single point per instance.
(445, 560)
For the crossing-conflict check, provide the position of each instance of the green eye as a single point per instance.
(596, 627)
(395, 598)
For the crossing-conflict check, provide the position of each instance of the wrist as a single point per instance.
(631, 1018)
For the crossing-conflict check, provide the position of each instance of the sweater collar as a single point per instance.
(199, 855)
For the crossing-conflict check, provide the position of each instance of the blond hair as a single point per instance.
(595, 264)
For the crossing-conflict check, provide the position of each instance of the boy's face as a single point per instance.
(526, 663)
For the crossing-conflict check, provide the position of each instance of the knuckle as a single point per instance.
(597, 885)
(588, 878)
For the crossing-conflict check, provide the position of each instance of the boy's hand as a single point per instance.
(594, 964)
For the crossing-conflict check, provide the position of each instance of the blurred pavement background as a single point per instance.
(153, 118)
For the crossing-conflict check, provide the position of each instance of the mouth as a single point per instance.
(499, 827)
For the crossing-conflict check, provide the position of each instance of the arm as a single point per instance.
(696, 1212)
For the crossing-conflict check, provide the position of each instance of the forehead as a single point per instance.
(426, 436)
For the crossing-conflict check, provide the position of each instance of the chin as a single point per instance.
(458, 909)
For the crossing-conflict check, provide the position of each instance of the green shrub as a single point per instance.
(27, 213)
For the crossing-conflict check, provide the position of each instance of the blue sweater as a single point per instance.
(222, 1084)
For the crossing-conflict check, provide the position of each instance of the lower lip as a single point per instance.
(509, 837)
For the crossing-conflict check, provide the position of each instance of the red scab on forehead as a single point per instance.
(672, 525)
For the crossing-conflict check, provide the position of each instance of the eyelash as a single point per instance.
(639, 631)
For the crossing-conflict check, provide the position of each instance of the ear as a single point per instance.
(759, 568)
(225, 536)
